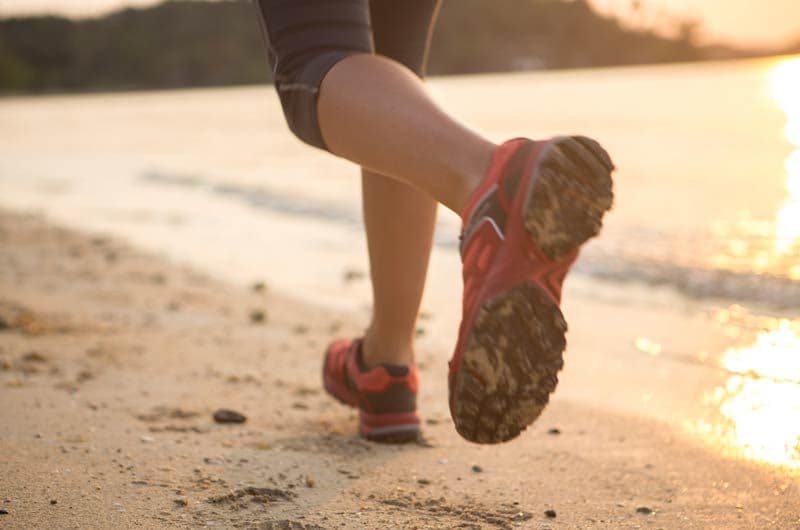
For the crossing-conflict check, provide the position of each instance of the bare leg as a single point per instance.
(400, 222)
(375, 112)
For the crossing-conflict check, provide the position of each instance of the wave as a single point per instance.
(622, 265)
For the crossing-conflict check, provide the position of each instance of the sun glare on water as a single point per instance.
(771, 246)
(759, 403)
(785, 88)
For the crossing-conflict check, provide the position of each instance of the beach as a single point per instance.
(114, 361)
(164, 255)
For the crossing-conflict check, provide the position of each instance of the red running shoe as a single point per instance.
(385, 396)
(522, 230)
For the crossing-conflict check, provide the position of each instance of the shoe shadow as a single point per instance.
(346, 444)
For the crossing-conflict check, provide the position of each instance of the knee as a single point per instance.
(298, 83)
(305, 40)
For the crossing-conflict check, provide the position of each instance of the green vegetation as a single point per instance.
(185, 43)
(523, 35)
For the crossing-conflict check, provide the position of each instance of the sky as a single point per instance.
(765, 23)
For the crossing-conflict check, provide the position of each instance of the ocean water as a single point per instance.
(708, 187)
(706, 221)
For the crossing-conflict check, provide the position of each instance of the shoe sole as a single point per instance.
(376, 428)
(515, 347)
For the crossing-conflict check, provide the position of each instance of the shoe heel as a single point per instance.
(390, 427)
(571, 193)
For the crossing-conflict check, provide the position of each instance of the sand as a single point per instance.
(112, 362)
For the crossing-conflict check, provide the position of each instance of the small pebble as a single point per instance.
(3, 512)
(476, 468)
(229, 416)
(352, 275)
(644, 510)
(34, 357)
(258, 316)
(259, 287)
(551, 514)
(554, 431)
(423, 481)
(53, 501)
(181, 501)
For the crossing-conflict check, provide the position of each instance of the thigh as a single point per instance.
(305, 39)
(402, 30)
(296, 31)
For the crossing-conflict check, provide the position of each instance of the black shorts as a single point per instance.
(305, 38)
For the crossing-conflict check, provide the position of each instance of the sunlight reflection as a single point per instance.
(785, 88)
(762, 246)
(760, 402)
(648, 346)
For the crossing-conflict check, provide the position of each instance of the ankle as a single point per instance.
(470, 183)
(378, 349)
(472, 172)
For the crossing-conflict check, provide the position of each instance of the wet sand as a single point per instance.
(112, 362)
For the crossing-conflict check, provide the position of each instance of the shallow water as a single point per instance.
(707, 211)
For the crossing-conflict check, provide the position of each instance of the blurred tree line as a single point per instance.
(184, 43)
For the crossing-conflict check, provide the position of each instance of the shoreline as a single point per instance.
(769, 56)
(113, 361)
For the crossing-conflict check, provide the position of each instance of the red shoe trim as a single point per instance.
(500, 158)
(379, 379)
(369, 422)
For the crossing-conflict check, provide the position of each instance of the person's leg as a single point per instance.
(375, 112)
(369, 109)
(399, 219)
(527, 207)
(305, 40)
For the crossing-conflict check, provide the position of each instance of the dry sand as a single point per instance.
(112, 362)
